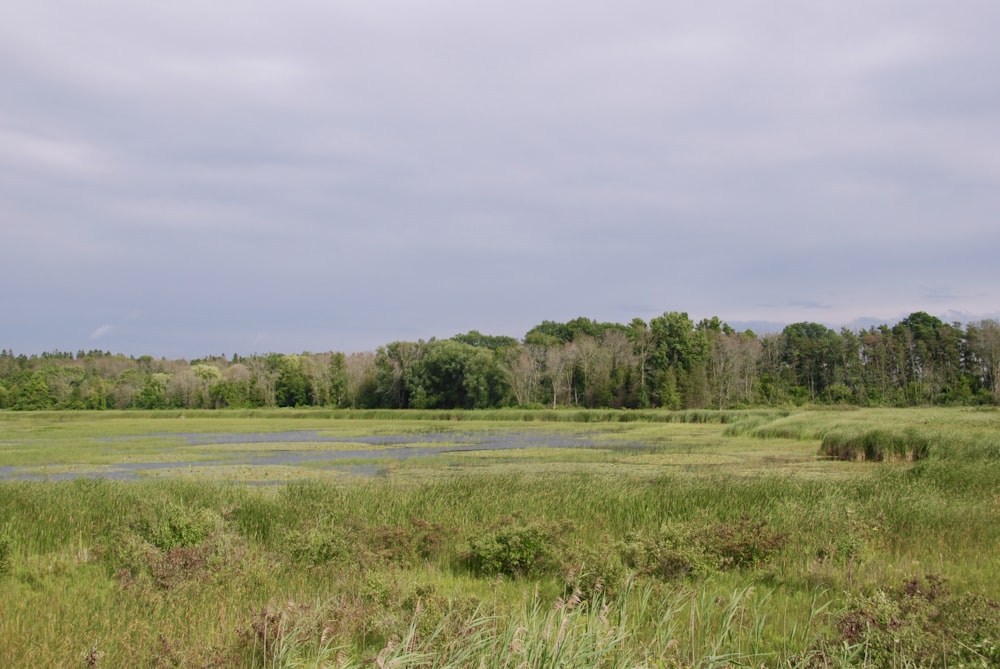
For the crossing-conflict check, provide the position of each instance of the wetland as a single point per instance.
(453, 539)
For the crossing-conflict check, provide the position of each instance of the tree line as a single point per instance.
(670, 362)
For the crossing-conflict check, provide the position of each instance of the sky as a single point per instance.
(181, 179)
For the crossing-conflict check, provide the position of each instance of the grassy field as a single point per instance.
(500, 539)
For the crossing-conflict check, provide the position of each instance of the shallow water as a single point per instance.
(405, 446)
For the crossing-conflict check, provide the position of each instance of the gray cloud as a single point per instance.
(322, 175)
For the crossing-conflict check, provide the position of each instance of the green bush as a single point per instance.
(922, 624)
(406, 545)
(319, 544)
(592, 571)
(173, 525)
(512, 550)
(164, 542)
(330, 541)
(681, 549)
(740, 545)
(670, 553)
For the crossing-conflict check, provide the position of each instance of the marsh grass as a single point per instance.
(886, 434)
(727, 557)
(124, 442)
(876, 445)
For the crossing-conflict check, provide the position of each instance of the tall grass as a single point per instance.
(306, 573)
(885, 434)
(876, 445)
(534, 570)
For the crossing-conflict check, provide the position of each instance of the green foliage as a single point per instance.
(678, 343)
(671, 363)
(231, 394)
(173, 525)
(6, 550)
(681, 549)
(668, 554)
(165, 573)
(592, 570)
(453, 375)
(322, 543)
(922, 624)
(552, 333)
(291, 385)
(33, 393)
(338, 379)
(394, 364)
(512, 550)
(167, 545)
(206, 372)
(354, 542)
(491, 342)
(812, 353)
(154, 392)
(876, 445)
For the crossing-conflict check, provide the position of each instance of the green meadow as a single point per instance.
(506, 538)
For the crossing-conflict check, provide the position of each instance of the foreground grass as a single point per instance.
(745, 550)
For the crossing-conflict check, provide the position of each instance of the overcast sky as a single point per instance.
(188, 178)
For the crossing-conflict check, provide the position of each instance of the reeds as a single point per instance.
(378, 572)
(876, 445)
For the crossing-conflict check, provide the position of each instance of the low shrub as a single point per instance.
(511, 550)
(681, 549)
(176, 526)
(740, 545)
(168, 545)
(324, 543)
(334, 542)
(407, 545)
(594, 570)
(670, 553)
(922, 623)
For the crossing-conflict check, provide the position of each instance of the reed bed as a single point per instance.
(885, 434)
(893, 565)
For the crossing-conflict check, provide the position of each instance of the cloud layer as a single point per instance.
(189, 179)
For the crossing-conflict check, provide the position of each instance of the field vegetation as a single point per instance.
(791, 538)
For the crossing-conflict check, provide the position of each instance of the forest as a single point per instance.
(670, 362)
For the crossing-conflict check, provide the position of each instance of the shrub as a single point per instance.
(922, 623)
(680, 549)
(332, 541)
(175, 526)
(592, 571)
(317, 544)
(137, 562)
(167, 545)
(407, 545)
(740, 545)
(512, 550)
(670, 553)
